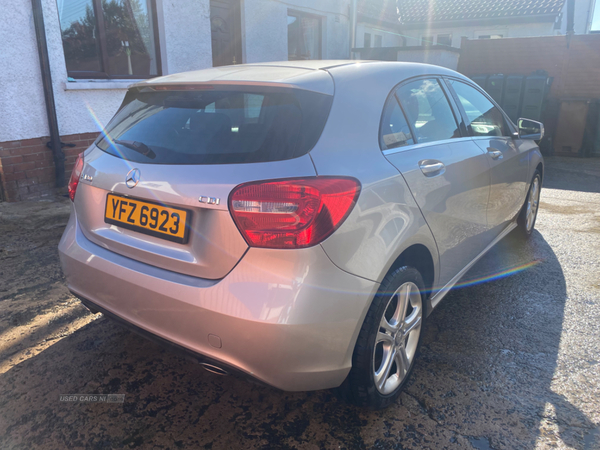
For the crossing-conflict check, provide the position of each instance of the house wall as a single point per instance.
(84, 106)
(574, 65)
(264, 27)
(437, 56)
(186, 44)
(389, 37)
(581, 24)
(473, 32)
(582, 17)
(27, 166)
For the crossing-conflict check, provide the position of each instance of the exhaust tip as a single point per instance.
(213, 369)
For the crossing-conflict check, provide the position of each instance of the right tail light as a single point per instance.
(292, 213)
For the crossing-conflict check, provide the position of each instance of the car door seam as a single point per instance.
(422, 215)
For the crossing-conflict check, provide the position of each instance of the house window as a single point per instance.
(304, 36)
(490, 36)
(444, 39)
(427, 40)
(378, 39)
(110, 39)
(367, 40)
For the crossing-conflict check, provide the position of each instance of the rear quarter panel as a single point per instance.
(386, 219)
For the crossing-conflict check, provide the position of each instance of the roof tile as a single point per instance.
(417, 11)
(380, 10)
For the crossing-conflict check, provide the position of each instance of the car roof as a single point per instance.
(314, 75)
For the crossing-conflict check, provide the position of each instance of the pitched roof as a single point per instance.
(379, 11)
(417, 11)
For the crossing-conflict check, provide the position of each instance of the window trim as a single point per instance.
(437, 39)
(298, 14)
(103, 75)
(427, 40)
(510, 126)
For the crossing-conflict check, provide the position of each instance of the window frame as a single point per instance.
(298, 14)
(510, 126)
(427, 40)
(437, 39)
(458, 117)
(305, 99)
(484, 37)
(102, 47)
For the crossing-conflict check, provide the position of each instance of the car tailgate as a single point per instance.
(214, 243)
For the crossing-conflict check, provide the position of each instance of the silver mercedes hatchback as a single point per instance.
(297, 222)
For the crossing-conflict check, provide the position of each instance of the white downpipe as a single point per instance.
(353, 19)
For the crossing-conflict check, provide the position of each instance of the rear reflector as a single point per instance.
(293, 213)
(75, 174)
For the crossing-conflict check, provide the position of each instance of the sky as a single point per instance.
(596, 17)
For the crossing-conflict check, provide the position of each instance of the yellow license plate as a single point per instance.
(149, 218)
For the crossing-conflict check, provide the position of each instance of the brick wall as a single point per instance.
(27, 166)
(574, 63)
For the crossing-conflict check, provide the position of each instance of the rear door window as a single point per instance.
(483, 118)
(395, 131)
(216, 126)
(428, 111)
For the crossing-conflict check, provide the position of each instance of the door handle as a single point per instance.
(431, 168)
(495, 154)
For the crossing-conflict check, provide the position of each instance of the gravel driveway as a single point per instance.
(510, 360)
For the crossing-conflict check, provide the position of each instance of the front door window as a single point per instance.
(483, 118)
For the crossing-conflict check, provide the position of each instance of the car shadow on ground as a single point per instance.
(500, 334)
(572, 174)
(484, 377)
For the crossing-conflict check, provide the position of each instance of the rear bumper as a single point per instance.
(287, 318)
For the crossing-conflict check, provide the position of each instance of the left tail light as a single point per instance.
(75, 174)
(292, 213)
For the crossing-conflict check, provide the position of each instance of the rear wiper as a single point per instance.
(139, 147)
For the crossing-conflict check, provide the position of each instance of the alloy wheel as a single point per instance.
(397, 338)
(532, 204)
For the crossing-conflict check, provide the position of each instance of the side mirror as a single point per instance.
(530, 129)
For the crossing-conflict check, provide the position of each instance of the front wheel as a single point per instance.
(528, 214)
(388, 342)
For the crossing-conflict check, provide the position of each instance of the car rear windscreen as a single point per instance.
(215, 125)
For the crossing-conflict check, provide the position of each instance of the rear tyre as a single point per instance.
(388, 342)
(528, 214)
